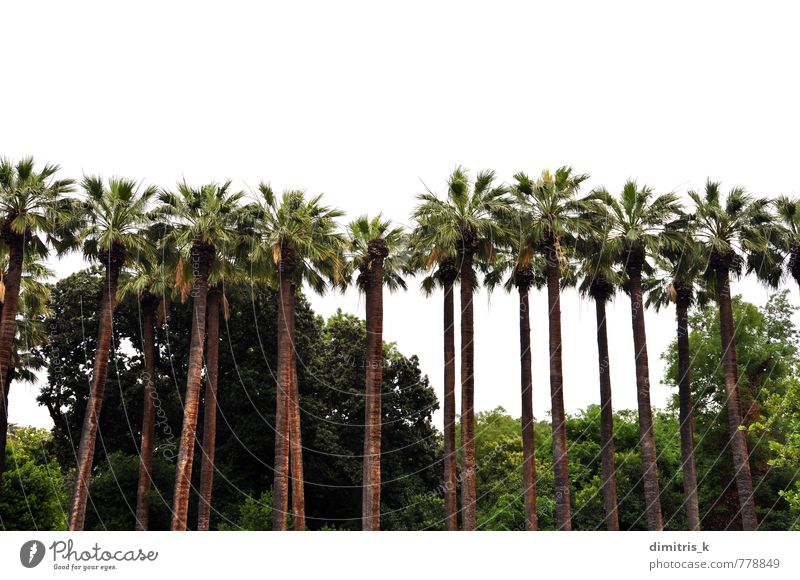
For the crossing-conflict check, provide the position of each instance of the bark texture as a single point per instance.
(526, 384)
(295, 441)
(689, 469)
(282, 393)
(371, 490)
(209, 411)
(468, 483)
(606, 421)
(8, 317)
(560, 462)
(91, 419)
(741, 462)
(647, 441)
(148, 305)
(450, 467)
(202, 257)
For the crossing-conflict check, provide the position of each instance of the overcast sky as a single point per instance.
(366, 101)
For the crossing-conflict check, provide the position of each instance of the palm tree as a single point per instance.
(519, 266)
(788, 238)
(636, 232)
(377, 251)
(150, 282)
(598, 281)
(422, 259)
(222, 272)
(683, 261)
(31, 203)
(29, 334)
(730, 232)
(201, 218)
(467, 222)
(298, 238)
(111, 222)
(556, 216)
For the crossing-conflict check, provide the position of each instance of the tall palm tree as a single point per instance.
(423, 259)
(31, 202)
(556, 216)
(151, 283)
(731, 232)
(378, 252)
(519, 266)
(466, 221)
(201, 219)
(222, 273)
(636, 220)
(111, 221)
(599, 281)
(29, 334)
(299, 239)
(684, 262)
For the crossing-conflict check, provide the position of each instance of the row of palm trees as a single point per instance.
(194, 243)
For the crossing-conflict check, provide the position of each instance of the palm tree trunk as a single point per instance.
(149, 305)
(468, 489)
(8, 318)
(284, 381)
(606, 421)
(202, 256)
(96, 393)
(528, 441)
(209, 412)
(450, 481)
(560, 462)
(9, 378)
(295, 441)
(687, 416)
(371, 501)
(741, 463)
(646, 438)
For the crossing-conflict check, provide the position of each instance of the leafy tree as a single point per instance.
(32, 490)
(766, 342)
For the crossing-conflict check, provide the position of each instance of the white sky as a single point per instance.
(364, 101)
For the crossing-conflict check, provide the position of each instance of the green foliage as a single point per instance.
(32, 490)
(113, 493)
(766, 343)
(331, 363)
(254, 514)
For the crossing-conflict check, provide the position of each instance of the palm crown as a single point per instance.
(635, 222)
(787, 238)
(466, 221)
(31, 201)
(201, 216)
(737, 232)
(555, 214)
(368, 237)
(298, 237)
(111, 219)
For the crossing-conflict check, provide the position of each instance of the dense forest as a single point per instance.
(189, 381)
